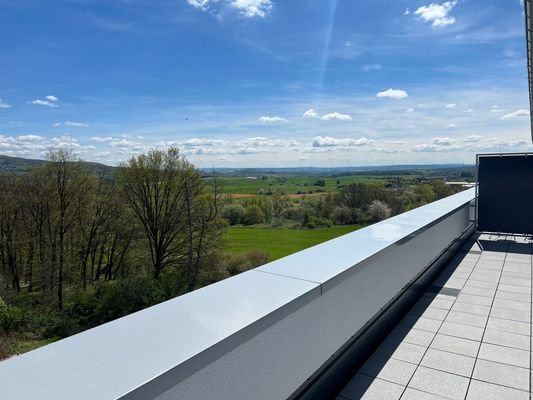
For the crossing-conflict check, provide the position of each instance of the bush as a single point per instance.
(314, 222)
(342, 215)
(234, 213)
(254, 215)
(11, 318)
(378, 211)
(235, 264)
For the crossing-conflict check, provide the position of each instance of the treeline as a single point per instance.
(357, 203)
(78, 249)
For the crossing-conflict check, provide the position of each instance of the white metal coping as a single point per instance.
(111, 360)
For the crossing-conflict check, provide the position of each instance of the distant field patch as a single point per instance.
(289, 185)
(280, 242)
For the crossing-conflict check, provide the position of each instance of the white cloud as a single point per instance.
(311, 113)
(393, 94)
(371, 67)
(200, 142)
(30, 138)
(445, 141)
(50, 101)
(201, 4)
(437, 144)
(410, 110)
(437, 14)
(472, 139)
(264, 142)
(451, 105)
(252, 8)
(336, 116)
(271, 120)
(44, 103)
(328, 141)
(3, 104)
(102, 139)
(407, 12)
(514, 114)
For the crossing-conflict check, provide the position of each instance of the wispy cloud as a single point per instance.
(371, 67)
(73, 124)
(514, 114)
(336, 116)
(393, 94)
(49, 101)
(328, 141)
(437, 14)
(451, 105)
(311, 113)
(3, 104)
(271, 120)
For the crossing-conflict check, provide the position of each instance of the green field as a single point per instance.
(280, 242)
(290, 185)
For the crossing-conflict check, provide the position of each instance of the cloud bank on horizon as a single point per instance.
(264, 82)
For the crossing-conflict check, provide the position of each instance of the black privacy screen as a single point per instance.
(505, 202)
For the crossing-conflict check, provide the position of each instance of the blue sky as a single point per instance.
(264, 82)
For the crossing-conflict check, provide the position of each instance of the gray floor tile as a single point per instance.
(487, 391)
(516, 281)
(507, 313)
(413, 394)
(507, 339)
(414, 336)
(422, 323)
(367, 388)
(522, 268)
(439, 383)
(481, 284)
(514, 288)
(477, 291)
(518, 275)
(388, 369)
(448, 362)
(524, 297)
(402, 351)
(471, 308)
(462, 331)
(511, 304)
(522, 328)
(504, 355)
(502, 374)
(441, 303)
(472, 299)
(466, 319)
(455, 345)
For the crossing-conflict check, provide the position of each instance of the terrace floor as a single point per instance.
(469, 337)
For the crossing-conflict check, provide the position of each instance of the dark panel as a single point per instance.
(505, 193)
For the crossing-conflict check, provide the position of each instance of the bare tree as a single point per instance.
(67, 182)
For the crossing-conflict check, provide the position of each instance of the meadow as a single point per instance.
(280, 242)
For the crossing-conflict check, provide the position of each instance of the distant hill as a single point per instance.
(21, 165)
(338, 171)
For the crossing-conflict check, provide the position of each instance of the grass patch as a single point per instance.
(280, 242)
